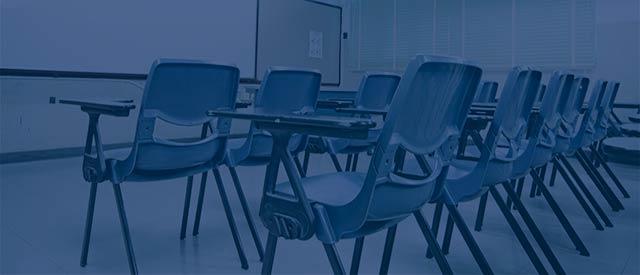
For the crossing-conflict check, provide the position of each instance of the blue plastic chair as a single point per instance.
(177, 92)
(374, 97)
(487, 92)
(283, 90)
(425, 117)
(503, 145)
(596, 126)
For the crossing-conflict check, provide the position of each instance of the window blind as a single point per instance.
(499, 34)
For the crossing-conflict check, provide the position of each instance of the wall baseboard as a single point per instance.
(70, 152)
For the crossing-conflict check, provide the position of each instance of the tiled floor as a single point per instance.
(43, 208)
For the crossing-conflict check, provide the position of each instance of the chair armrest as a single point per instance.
(94, 164)
(242, 105)
(334, 103)
(111, 107)
(362, 111)
(305, 123)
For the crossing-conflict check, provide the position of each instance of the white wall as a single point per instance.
(28, 122)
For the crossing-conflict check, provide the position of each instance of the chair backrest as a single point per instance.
(556, 94)
(376, 90)
(180, 92)
(426, 116)
(514, 107)
(590, 115)
(288, 91)
(541, 91)
(487, 92)
(606, 104)
(571, 109)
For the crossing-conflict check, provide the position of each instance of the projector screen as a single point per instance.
(125, 37)
(301, 34)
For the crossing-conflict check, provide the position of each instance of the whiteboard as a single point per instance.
(120, 36)
(301, 34)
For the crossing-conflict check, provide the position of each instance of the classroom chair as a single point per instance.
(178, 92)
(425, 118)
(373, 98)
(471, 179)
(283, 90)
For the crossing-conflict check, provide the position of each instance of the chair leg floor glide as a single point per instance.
(481, 208)
(203, 187)
(469, 239)
(448, 232)
(388, 249)
(334, 259)
(437, 214)
(357, 255)
(88, 224)
(247, 212)
(517, 230)
(432, 242)
(232, 223)
(595, 176)
(573, 235)
(600, 159)
(187, 205)
(584, 189)
(535, 231)
(270, 252)
(133, 268)
(576, 193)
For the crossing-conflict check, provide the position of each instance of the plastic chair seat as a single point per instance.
(622, 149)
(631, 129)
(257, 153)
(335, 189)
(117, 165)
(339, 189)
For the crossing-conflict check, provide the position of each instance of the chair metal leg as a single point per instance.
(354, 164)
(267, 264)
(357, 255)
(185, 209)
(480, 216)
(133, 268)
(576, 193)
(305, 162)
(532, 192)
(348, 166)
(334, 259)
(446, 239)
(535, 231)
(88, 224)
(603, 182)
(517, 230)
(573, 235)
(196, 222)
(519, 189)
(298, 164)
(230, 219)
(584, 189)
(335, 161)
(427, 232)
(607, 169)
(602, 186)
(437, 215)
(247, 212)
(513, 184)
(554, 172)
(543, 175)
(468, 238)
(388, 249)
